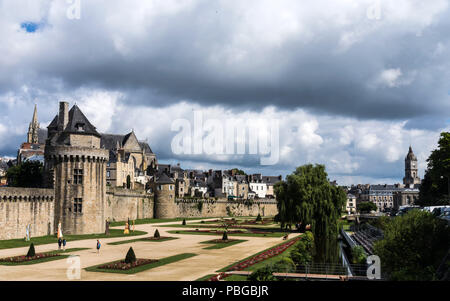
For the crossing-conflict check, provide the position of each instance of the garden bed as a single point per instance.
(220, 243)
(252, 260)
(122, 265)
(145, 239)
(38, 258)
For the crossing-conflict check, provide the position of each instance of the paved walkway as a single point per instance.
(206, 262)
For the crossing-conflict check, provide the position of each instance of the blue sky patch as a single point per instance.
(30, 26)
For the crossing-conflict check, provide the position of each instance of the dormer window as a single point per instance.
(79, 127)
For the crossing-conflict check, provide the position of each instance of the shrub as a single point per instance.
(358, 255)
(302, 253)
(184, 222)
(225, 235)
(262, 274)
(131, 257)
(156, 235)
(31, 251)
(258, 218)
(284, 265)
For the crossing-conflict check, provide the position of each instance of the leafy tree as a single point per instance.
(131, 257)
(26, 174)
(263, 274)
(435, 188)
(156, 235)
(31, 251)
(366, 207)
(413, 246)
(303, 251)
(307, 197)
(238, 171)
(358, 255)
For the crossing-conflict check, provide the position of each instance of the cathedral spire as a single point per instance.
(33, 128)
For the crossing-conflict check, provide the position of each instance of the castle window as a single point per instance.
(78, 176)
(77, 205)
(80, 127)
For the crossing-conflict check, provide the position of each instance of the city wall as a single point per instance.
(224, 207)
(122, 204)
(22, 206)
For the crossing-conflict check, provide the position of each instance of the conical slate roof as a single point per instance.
(76, 119)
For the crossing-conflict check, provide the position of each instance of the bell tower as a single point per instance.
(411, 170)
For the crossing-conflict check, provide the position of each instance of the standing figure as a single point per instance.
(64, 244)
(27, 237)
(127, 229)
(107, 228)
(98, 246)
(59, 243)
(60, 234)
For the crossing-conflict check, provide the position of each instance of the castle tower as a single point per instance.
(33, 128)
(77, 167)
(411, 170)
(164, 188)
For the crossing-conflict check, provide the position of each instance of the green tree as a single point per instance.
(263, 274)
(413, 246)
(156, 235)
(258, 218)
(31, 251)
(225, 235)
(307, 197)
(238, 171)
(435, 188)
(358, 255)
(366, 207)
(131, 257)
(302, 253)
(26, 174)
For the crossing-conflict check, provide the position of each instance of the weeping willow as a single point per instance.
(306, 197)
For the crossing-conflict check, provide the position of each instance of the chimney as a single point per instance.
(63, 116)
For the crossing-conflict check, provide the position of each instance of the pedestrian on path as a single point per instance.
(98, 246)
(64, 244)
(59, 243)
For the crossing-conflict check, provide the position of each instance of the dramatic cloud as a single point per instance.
(353, 83)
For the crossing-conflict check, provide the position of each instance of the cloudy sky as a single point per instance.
(351, 83)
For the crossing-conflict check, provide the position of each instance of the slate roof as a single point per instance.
(110, 141)
(42, 136)
(410, 155)
(164, 179)
(271, 179)
(76, 118)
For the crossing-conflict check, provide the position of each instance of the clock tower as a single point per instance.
(411, 170)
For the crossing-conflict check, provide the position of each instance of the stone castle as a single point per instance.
(91, 178)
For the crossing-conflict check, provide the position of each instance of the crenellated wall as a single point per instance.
(224, 207)
(22, 206)
(122, 204)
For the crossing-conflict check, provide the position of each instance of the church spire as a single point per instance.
(33, 128)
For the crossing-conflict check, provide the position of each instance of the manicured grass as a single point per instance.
(236, 278)
(250, 268)
(204, 278)
(221, 245)
(69, 250)
(141, 239)
(42, 240)
(274, 234)
(142, 268)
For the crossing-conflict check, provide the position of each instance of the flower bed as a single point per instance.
(277, 250)
(156, 238)
(221, 241)
(122, 265)
(23, 258)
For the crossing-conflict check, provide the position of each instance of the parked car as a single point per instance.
(445, 215)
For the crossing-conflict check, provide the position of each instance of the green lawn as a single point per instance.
(41, 260)
(273, 234)
(204, 278)
(141, 239)
(221, 245)
(42, 240)
(262, 263)
(142, 268)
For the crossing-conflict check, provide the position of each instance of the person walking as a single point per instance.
(64, 244)
(98, 246)
(59, 243)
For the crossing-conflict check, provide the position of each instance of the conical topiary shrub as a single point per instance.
(184, 222)
(259, 218)
(31, 251)
(131, 257)
(225, 235)
(156, 235)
